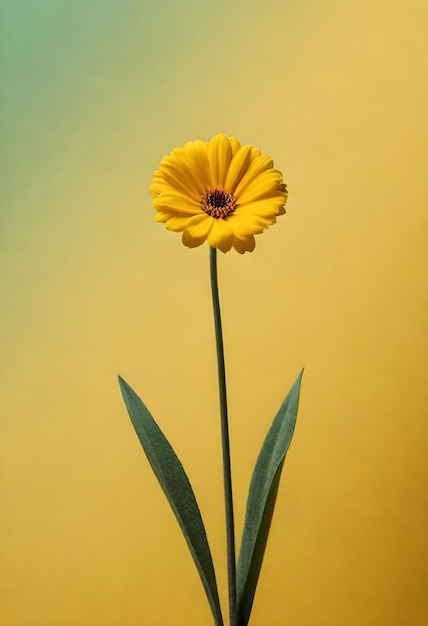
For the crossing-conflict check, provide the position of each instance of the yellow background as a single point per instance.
(94, 93)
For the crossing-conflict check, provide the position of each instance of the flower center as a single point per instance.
(218, 202)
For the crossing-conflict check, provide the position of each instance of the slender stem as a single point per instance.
(230, 528)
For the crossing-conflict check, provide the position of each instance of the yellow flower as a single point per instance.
(218, 191)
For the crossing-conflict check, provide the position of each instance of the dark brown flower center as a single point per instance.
(218, 202)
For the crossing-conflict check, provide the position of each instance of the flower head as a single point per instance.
(218, 191)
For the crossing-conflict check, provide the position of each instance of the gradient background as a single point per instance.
(94, 92)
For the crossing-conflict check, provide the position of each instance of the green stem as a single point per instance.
(230, 528)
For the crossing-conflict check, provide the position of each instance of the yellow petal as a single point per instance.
(255, 152)
(257, 166)
(157, 185)
(186, 155)
(161, 216)
(262, 208)
(244, 244)
(246, 225)
(196, 156)
(177, 176)
(220, 155)
(238, 167)
(192, 242)
(239, 245)
(175, 202)
(176, 224)
(200, 225)
(264, 184)
(220, 235)
(235, 145)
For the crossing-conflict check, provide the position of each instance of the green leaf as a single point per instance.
(261, 501)
(176, 486)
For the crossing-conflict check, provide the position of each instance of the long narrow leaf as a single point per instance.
(176, 486)
(261, 500)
